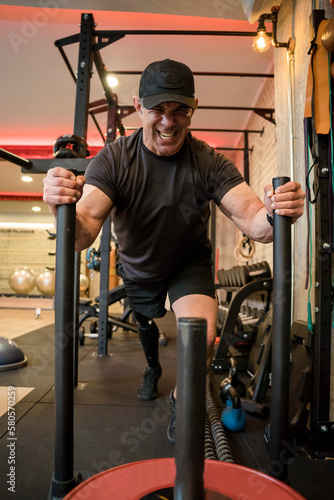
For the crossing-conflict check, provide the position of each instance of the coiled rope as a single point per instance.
(216, 443)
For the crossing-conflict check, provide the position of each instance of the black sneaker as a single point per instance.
(148, 388)
(171, 427)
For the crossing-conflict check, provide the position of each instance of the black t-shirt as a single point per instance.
(160, 203)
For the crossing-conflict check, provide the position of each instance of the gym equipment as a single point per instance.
(46, 281)
(238, 276)
(22, 280)
(233, 417)
(84, 282)
(279, 433)
(318, 142)
(11, 356)
(259, 368)
(231, 389)
(236, 339)
(93, 259)
(88, 309)
(216, 444)
(70, 146)
(190, 477)
(300, 380)
(233, 380)
(300, 384)
(190, 406)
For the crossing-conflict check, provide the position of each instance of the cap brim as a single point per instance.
(154, 100)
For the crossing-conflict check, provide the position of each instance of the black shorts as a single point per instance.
(195, 277)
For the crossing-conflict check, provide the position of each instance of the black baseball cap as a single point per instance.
(164, 81)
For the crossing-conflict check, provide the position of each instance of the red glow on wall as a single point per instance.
(21, 196)
(40, 152)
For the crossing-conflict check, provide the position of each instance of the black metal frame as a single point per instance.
(322, 428)
(259, 285)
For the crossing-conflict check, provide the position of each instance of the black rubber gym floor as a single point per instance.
(112, 426)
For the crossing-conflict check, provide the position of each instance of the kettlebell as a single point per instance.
(233, 380)
(233, 417)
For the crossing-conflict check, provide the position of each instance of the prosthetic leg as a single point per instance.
(149, 338)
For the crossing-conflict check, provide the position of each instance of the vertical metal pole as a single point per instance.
(85, 63)
(246, 157)
(76, 292)
(104, 288)
(213, 239)
(321, 425)
(63, 478)
(190, 414)
(279, 424)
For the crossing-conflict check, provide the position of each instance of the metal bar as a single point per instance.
(17, 160)
(100, 67)
(203, 73)
(214, 130)
(104, 288)
(99, 102)
(246, 157)
(76, 297)
(281, 333)
(97, 126)
(238, 108)
(190, 407)
(177, 32)
(68, 40)
(101, 109)
(112, 121)
(42, 166)
(68, 64)
(63, 479)
(226, 130)
(234, 149)
(321, 428)
(85, 63)
(213, 238)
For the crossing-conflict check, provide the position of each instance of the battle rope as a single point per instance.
(214, 431)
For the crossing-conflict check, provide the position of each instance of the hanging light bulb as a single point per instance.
(261, 42)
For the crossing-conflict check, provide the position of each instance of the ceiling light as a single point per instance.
(112, 81)
(36, 209)
(26, 178)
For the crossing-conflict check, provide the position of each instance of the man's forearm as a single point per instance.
(260, 229)
(84, 236)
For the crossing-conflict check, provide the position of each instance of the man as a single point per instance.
(158, 183)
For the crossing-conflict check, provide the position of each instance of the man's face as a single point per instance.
(165, 126)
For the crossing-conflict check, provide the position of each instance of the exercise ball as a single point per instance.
(11, 356)
(84, 282)
(45, 282)
(22, 280)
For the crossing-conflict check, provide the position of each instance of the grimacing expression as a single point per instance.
(165, 126)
